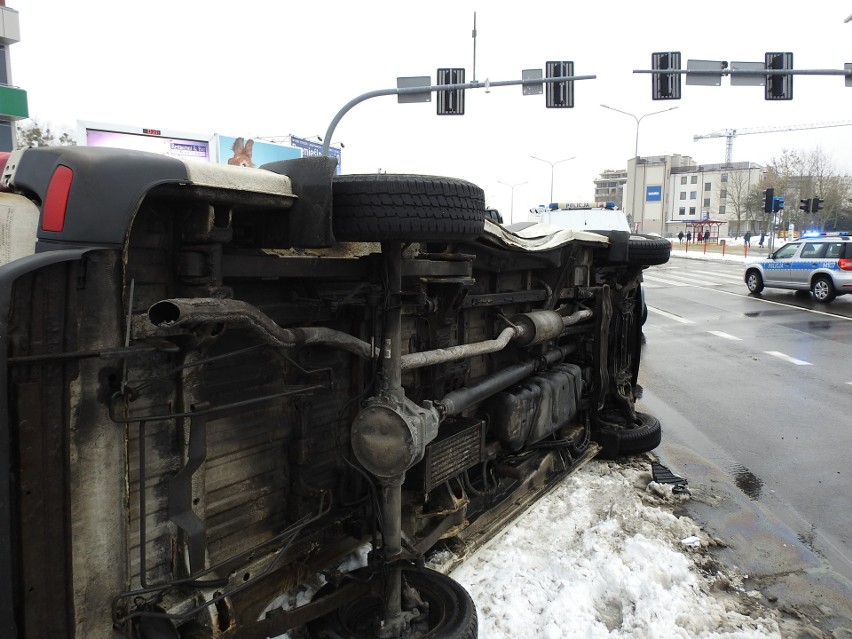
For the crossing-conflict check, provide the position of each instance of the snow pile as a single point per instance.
(603, 556)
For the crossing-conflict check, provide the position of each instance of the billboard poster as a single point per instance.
(653, 193)
(176, 145)
(311, 148)
(239, 151)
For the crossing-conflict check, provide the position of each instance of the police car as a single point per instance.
(821, 265)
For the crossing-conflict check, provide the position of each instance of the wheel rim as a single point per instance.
(821, 289)
(752, 282)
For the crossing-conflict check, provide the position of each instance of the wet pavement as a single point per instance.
(783, 568)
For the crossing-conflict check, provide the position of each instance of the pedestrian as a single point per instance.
(762, 238)
(706, 236)
(688, 237)
(747, 238)
(680, 237)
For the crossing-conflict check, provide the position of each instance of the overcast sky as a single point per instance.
(260, 68)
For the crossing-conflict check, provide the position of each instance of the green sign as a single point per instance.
(13, 103)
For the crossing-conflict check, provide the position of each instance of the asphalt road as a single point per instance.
(759, 388)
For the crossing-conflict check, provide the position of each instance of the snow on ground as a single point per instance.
(604, 555)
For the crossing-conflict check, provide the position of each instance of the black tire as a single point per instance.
(451, 615)
(754, 281)
(822, 289)
(421, 208)
(641, 438)
(642, 250)
(646, 250)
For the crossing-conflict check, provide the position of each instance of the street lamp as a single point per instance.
(638, 120)
(512, 205)
(636, 148)
(552, 166)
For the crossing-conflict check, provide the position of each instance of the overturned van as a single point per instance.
(218, 381)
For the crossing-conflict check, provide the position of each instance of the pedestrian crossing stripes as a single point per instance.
(673, 277)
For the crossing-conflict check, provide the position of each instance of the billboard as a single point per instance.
(239, 151)
(172, 144)
(311, 148)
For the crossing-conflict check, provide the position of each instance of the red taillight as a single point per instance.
(56, 202)
(844, 264)
(4, 158)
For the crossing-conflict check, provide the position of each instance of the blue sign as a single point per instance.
(653, 193)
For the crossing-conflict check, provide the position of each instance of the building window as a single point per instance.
(723, 194)
(692, 210)
(683, 179)
(707, 186)
(706, 202)
(722, 209)
(694, 179)
(724, 177)
(681, 210)
(683, 195)
(693, 195)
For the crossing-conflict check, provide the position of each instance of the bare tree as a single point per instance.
(738, 187)
(36, 133)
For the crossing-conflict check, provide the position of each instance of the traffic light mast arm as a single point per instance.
(326, 145)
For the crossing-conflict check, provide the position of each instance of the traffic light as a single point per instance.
(805, 206)
(665, 86)
(559, 94)
(779, 87)
(777, 204)
(451, 101)
(768, 200)
(817, 205)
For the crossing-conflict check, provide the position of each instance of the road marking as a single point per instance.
(660, 280)
(749, 296)
(728, 276)
(725, 336)
(676, 318)
(787, 358)
(685, 279)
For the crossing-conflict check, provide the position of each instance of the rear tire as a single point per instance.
(823, 289)
(414, 208)
(451, 612)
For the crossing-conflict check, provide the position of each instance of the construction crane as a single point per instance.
(730, 134)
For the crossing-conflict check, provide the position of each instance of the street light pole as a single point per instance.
(636, 147)
(552, 166)
(512, 205)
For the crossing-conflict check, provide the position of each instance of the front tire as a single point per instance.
(823, 289)
(754, 282)
(648, 250)
(628, 440)
(450, 613)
